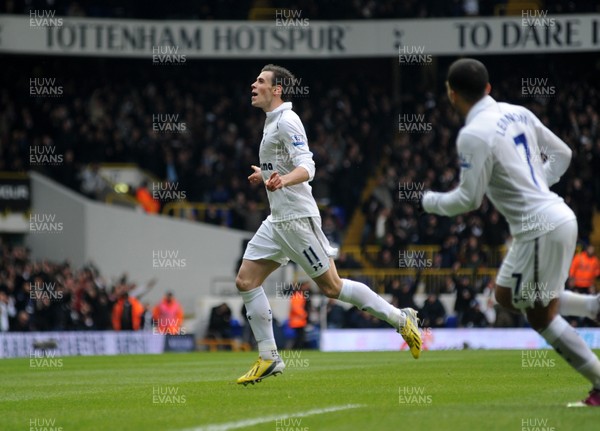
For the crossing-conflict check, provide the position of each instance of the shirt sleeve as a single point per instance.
(294, 138)
(476, 165)
(557, 152)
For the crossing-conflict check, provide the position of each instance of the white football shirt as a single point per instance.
(283, 148)
(507, 153)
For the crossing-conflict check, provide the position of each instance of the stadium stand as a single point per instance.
(351, 118)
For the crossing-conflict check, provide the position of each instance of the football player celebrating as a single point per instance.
(508, 154)
(293, 229)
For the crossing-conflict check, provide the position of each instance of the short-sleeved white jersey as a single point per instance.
(507, 153)
(283, 148)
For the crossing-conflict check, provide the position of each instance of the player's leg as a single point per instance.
(305, 243)
(249, 282)
(358, 294)
(553, 252)
(363, 297)
(568, 344)
(579, 304)
(508, 276)
(261, 258)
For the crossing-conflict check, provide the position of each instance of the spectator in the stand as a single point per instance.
(214, 216)
(403, 292)
(465, 293)
(219, 326)
(335, 315)
(127, 314)
(253, 216)
(146, 200)
(585, 269)
(7, 311)
(496, 230)
(433, 313)
(91, 182)
(299, 314)
(167, 315)
(85, 317)
(387, 259)
(22, 323)
(359, 319)
(473, 317)
(346, 261)
(449, 251)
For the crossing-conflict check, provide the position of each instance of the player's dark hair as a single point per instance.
(283, 77)
(469, 78)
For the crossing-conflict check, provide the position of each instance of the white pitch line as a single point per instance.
(250, 422)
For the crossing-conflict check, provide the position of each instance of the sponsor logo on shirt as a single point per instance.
(465, 160)
(297, 140)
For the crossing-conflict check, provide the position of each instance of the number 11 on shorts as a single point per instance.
(316, 263)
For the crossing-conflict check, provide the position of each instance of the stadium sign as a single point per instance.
(529, 33)
(38, 345)
(15, 192)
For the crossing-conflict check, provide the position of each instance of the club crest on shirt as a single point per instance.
(465, 160)
(297, 140)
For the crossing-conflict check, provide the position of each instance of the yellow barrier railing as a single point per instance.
(434, 279)
(184, 209)
(428, 252)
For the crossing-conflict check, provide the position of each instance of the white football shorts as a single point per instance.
(536, 270)
(301, 240)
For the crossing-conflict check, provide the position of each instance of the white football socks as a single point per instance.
(364, 298)
(568, 344)
(578, 304)
(260, 318)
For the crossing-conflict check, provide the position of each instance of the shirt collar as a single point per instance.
(283, 107)
(481, 105)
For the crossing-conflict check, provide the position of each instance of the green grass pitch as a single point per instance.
(443, 390)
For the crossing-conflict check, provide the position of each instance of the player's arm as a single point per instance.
(558, 154)
(294, 138)
(297, 176)
(256, 176)
(476, 169)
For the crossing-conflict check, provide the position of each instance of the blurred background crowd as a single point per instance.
(351, 114)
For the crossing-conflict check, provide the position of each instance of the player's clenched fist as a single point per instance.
(274, 182)
(256, 177)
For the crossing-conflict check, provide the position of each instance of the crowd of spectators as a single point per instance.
(351, 119)
(111, 119)
(48, 296)
(421, 161)
(312, 9)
